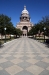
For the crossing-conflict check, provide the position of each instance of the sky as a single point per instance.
(13, 8)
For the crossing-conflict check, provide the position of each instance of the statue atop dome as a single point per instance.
(24, 7)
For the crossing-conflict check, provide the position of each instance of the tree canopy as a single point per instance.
(40, 26)
(5, 21)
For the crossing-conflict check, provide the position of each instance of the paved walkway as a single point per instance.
(24, 56)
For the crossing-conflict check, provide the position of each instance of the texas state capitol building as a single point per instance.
(24, 24)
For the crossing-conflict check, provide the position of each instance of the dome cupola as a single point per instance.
(25, 11)
(24, 15)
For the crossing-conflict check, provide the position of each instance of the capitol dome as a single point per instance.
(25, 11)
(25, 15)
(24, 25)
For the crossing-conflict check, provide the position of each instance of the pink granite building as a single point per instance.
(24, 24)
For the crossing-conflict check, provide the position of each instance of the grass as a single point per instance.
(41, 39)
(7, 39)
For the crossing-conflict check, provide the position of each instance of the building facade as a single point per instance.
(24, 25)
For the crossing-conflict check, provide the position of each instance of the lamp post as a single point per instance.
(39, 33)
(44, 33)
(5, 34)
(32, 34)
(0, 40)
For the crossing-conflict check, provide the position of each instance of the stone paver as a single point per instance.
(24, 56)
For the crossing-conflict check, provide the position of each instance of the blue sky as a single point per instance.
(13, 8)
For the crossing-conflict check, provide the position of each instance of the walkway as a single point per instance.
(24, 56)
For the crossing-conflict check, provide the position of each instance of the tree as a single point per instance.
(45, 23)
(40, 26)
(19, 32)
(5, 21)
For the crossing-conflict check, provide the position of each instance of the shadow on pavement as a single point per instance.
(47, 45)
(1, 46)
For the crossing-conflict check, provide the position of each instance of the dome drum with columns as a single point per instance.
(24, 24)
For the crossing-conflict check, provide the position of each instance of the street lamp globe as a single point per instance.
(44, 28)
(5, 28)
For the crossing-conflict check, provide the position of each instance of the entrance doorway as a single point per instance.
(25, 30)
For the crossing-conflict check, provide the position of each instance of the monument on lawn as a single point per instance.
(24, 25)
